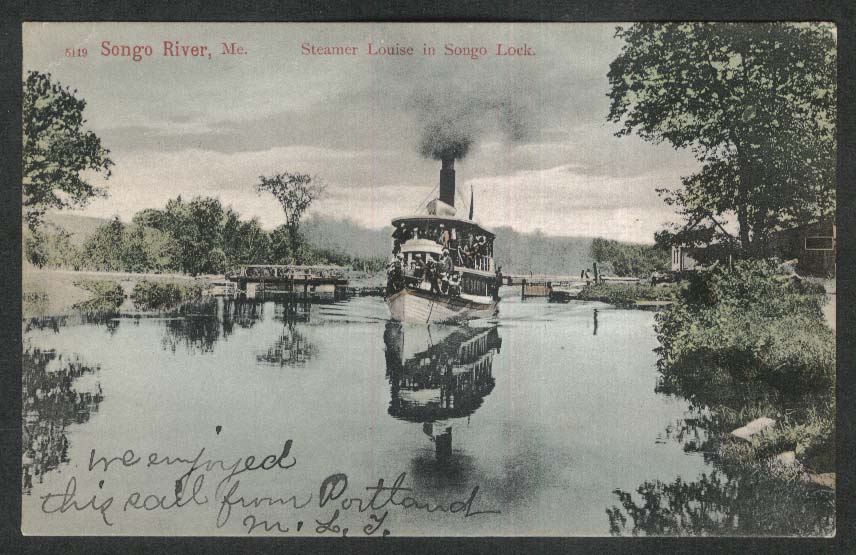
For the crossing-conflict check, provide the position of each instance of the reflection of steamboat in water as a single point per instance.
(437, 374)
(443, 267)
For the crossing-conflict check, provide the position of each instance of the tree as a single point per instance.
(244, 242)
(104, 249)
(195, 227)
(148, 249)
(295, 193)
(629, 259)
(56, 150)
(756, 105)
(150, 217)
(281, 246)
(43, 248)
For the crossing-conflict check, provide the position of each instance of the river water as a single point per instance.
(530, 423)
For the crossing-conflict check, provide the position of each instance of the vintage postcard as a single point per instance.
(366, 280)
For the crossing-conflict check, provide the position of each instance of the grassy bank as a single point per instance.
(749, 343)
(739, 345)
(61, 292)
(627, 294)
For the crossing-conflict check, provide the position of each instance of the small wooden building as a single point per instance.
(686, 258)
(812, 245)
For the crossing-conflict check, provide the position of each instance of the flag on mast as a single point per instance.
(471, 202)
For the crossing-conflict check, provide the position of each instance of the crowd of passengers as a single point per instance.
(459, 249)
(440, 274)
(465, 249)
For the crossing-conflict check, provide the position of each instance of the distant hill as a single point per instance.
(344, 235)
(79, 227)
(523, 253)
(517, 253)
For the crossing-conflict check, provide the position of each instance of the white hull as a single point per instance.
(414, 307)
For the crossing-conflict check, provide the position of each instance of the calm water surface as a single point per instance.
(547, 409)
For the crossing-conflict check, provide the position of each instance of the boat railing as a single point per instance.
(483, 263)
(487, 263)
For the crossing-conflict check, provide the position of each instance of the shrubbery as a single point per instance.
(751, 323)
(51, 249)
(107, 295)
(750, 342)
(150, 294)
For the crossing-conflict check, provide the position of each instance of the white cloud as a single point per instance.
(199, 127)
(562, 201)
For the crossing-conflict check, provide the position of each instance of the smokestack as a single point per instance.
(447, 180)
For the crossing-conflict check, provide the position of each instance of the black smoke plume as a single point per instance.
(451, 123)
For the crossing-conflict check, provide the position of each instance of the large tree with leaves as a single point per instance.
(57, 150)
(755, 102)
(295, 192)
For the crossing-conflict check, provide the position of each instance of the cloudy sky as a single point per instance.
(199, 126)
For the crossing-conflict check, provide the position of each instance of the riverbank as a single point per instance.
(661, 296)
(630, 295)
(58, 292)
(756, 349)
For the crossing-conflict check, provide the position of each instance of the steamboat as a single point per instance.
(442, 267)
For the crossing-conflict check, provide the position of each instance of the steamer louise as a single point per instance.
(442, 267)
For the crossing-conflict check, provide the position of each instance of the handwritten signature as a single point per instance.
(334, 499)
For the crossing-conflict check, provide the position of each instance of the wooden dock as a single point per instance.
(654, 305)
(518, 279)
(297, 282)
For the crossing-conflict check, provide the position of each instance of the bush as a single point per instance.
(808, 433)
(55, 250)
(750, 342)
(151, 295)
(107, 295)
(751, 323)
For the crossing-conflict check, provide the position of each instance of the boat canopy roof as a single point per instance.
(441, 221)
(422, 245)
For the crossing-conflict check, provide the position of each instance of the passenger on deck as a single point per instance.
(480, 247)
(432, 275)
(446, 268)
(455, 284)
(395, 274)
(466, 256)
(418, 266)
(446, 264)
